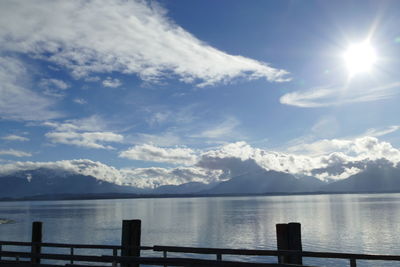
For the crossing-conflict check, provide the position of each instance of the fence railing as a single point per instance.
(128, 253)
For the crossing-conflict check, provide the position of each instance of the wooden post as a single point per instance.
(295, 242)
(219, 257)
(130, 241)
(282, 240)
(288, 237)
(36, 238)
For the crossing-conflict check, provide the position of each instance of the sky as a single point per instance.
(165, 92)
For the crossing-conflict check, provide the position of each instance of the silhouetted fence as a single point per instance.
(289, 251)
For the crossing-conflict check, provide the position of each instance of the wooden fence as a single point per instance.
(289, 253)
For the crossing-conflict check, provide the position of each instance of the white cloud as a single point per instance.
(54, 83)
(15, 153)
(326, 159)
(159, 115)
(155, 177)
(148, 152)
(140, 177)
(92, 79)
(113, 83)
(87, 139)
(13, 137)
(382, 131)
(163, 139)
(80, 101)
(222, 130)
(349, 158)
(324, 97)
(53, 87)
(81, 166)
(87, 132)
(92, 123)
(17, 100)
(124, 36)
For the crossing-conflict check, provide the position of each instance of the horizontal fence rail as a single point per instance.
(130, 248)
(256, 252)
(176, 249)
(141, 260)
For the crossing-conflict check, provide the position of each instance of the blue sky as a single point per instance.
(160, 84)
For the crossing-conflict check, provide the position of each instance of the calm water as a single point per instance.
(335, 223)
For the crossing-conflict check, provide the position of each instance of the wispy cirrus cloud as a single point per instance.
(334, 96)
(223, 129)
(149, 152)
(381, 131)
(87, 132)
(17, 100)
(110, 82)
(80, 101)
(86, 139)
(14, 137)
(14, 153)
(53, 87)
(124, 36)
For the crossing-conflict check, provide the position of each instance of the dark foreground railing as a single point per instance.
(128, 254)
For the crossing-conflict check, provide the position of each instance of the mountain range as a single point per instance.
(50, 182)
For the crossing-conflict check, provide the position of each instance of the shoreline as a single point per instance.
(62, 197)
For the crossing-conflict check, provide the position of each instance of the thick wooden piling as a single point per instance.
(130, 240)
(282, 240)
(295, 242)
(288, 237)
(36, 238)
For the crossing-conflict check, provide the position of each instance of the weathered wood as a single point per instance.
(146, 260)
(198, 262)
(130, 240)
(165, 256)
(258, 252)
(282, 241)
(288, 237)
(353, 263)
(37, 239)
(247, 252)
(72, 254)
(64, 245)
(295, 242)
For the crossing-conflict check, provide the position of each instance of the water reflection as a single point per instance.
(342, 223)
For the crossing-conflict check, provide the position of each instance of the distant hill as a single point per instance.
(376, 178)
(263, 181)
(187, 188)
(51, 182)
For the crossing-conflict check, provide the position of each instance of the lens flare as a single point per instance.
(360, 58)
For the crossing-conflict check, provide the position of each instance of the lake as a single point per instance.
(359, 223)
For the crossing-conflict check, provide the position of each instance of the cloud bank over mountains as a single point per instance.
(235, 159)
(120, 36)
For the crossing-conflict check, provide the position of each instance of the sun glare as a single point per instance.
(360, 58)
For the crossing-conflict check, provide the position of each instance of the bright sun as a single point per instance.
(360, 58)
